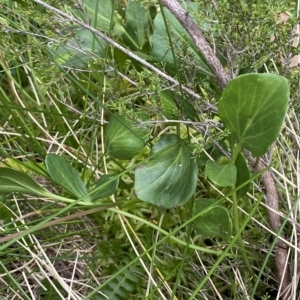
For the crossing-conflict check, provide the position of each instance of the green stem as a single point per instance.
(239, 237)
(236, 151)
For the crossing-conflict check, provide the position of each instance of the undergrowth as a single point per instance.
(59, 100)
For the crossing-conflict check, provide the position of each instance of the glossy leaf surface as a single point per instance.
(253, 107)
(169, 178)
(215, 220)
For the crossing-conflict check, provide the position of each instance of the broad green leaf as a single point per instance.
(215, 220)
(136, 24)
(109, 186)
(165, 142)
(169, 178)
(12, 181)
(125, 138)
(253, 107)
(77, 50)
(221, 174)
(99, 14)
(161, 44)
(243, 174)
(66, 176)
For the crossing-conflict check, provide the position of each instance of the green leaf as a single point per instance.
(124, 138)
(76, 52)
(66, 176)
(99, 14)
(12, 181)
(243, 174)
(161, 44)
(109, 186)
(253, 107)
(136, 23)
(221, 174)
(215, 220)
(169, 108)
(169, 178)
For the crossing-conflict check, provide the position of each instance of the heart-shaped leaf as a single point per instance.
(169, 178)
(12, 181)
(66, 176)
(109, 186)
(124, 138)
(215, 220)
(221, 174)
(253, 107)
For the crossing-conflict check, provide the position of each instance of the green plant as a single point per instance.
(184, 151)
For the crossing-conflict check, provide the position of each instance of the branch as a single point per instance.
(195, 33)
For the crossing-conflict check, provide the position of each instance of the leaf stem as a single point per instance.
(237, 229)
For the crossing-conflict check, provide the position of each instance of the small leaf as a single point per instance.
(109, 186)
(124, 139)
(243, 174)
(214, 222)
(12, 181)
(169, 178)
(220, 174)
(253, 108)
(66, 176)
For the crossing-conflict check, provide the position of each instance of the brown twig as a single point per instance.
(195, 33)
(271, 196)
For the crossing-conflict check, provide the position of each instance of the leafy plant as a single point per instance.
(153, 156)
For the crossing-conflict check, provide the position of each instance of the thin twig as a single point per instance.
(195, 33)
